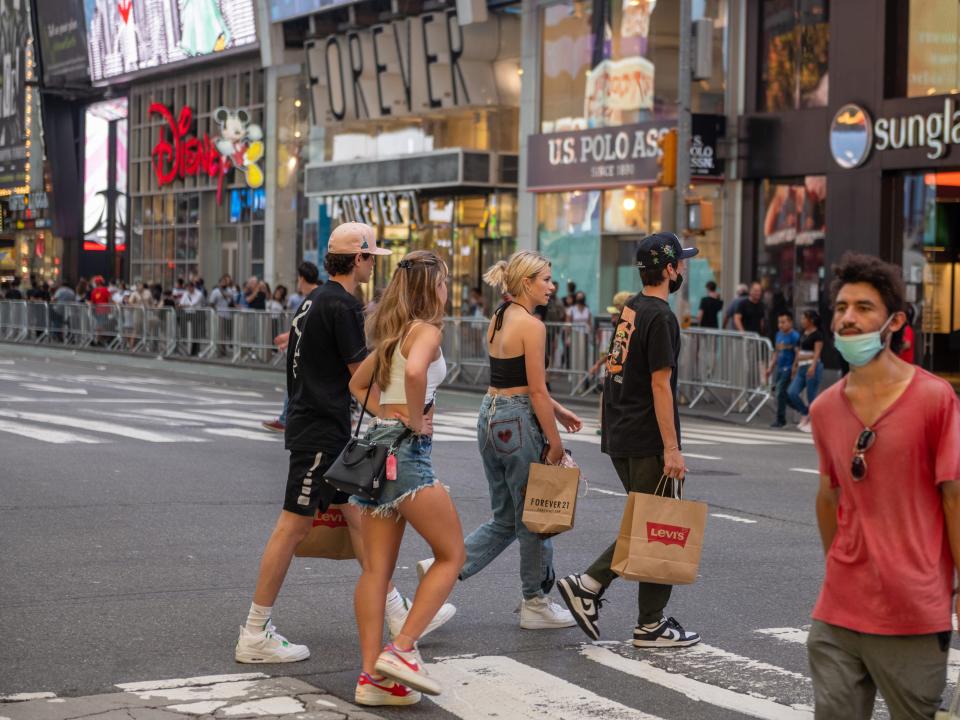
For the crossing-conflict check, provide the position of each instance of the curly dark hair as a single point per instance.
(884, 277)
(338, 264)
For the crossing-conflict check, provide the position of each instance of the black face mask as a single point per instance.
(675, 284)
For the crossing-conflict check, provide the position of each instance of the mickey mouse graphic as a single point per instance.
(241, 142)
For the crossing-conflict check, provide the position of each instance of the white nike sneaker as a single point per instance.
(396, 619)
(422, 567)
(541, 613)
(267, 646)
(372, 691)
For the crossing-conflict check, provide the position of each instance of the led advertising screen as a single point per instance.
(289, 9)
(63, 41)
(99, 156)
(14, 43)
(125, 37)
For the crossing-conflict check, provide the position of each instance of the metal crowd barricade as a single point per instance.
(470, 346)
(131, 334)
(726, 367)
(38, 322)
(253, 336)
(78, 324)
(159, 331)
(13, 320)
(195, 327)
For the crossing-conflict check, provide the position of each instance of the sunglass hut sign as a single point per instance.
(854, 133)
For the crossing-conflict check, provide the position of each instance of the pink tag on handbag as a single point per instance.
(391, 467)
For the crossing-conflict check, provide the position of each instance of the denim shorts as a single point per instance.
(414, 468)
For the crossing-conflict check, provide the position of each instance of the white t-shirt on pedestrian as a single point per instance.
(192, 298)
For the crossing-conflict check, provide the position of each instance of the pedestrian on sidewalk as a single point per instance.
(888, 509)
(807, 368)
(640, 431)
(328, 346)
(782, 365)
(308, 280)
(401, 377)
(518, 426)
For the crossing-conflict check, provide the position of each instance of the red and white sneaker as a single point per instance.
(383, 691)
(406, 666)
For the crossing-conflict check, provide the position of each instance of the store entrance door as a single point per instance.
(228, 258)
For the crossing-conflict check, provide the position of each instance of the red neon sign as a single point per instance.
(176, 156)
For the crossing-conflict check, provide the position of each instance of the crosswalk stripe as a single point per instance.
(733, 518)
(240, 414)
(37, 432)
(227, 391)
(697, 435)
(780, 437)
(754, 704)
(244, 434)
(103, 427)
(188, 416)
(128, 415)
(496, 687)
(805, 470)
(53, 389)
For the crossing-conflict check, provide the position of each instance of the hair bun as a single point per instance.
(496, 276)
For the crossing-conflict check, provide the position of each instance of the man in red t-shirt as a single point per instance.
(888, 508)
(101, 293)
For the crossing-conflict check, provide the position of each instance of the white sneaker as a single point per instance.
(267, 646)
(805, 425)
(396, 619)
(383, 691)
(541, 613)
(422, 567)
(406, 667)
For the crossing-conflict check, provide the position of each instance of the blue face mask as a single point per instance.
(858, 350)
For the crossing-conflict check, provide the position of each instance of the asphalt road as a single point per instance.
(136, 497)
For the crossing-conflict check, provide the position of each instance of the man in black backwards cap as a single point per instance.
(641, 430)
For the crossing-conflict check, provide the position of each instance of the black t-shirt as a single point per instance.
(711, 307)
(808, 341)
(647, 339)
(14, 294)
(326, 335)
(753, 315)
(259, 302)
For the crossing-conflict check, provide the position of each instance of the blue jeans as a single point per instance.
(510, 439)
(800, 382)
(781, 381)
(283, 413)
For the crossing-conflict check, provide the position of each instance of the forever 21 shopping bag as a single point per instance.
(328, 538)
(551, 497)
(660, 539)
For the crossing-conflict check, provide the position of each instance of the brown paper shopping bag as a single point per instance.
(329, 537)
(660, 539)
(551, 498)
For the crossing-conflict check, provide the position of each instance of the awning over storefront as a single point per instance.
(447, 169)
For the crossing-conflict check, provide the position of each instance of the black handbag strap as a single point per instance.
(363, 410)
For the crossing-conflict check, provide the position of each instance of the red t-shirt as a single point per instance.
(100, 296)
(890, 570)
(907, 353)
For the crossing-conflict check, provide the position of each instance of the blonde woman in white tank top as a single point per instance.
(403, 372)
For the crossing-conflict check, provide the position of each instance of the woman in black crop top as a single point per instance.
(518, 426)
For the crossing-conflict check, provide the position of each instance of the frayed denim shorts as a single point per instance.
(414, 468)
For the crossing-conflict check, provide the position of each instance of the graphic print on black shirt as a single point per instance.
(647, 339)
(326, 336)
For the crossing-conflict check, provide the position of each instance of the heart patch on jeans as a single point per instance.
(505, 435)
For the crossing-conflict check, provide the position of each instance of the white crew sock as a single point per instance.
(396, 605)
(258, 618)
(590, 584)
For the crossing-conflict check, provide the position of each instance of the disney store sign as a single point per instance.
(181, 152)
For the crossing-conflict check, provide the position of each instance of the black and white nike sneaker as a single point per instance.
(583, 604)
(666, 633)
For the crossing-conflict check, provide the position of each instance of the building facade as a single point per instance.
(849, 131)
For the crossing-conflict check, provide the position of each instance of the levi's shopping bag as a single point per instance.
(550, 501)
(328, 538)
(661, 537)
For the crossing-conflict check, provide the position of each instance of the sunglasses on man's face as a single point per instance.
(864, 442)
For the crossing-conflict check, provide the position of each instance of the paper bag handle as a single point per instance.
(676, 490)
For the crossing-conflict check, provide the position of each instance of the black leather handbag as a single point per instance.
(361, 467)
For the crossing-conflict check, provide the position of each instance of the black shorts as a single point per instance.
(306, 489)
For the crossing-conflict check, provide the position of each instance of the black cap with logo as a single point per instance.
(661, 249)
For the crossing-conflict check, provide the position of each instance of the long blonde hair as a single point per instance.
(411, 296)
(508, 275)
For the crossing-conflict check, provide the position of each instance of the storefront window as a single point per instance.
(931, 266)
(933, 47)
(569, 231)
(795, 38)
(790, 254)
(613, 62)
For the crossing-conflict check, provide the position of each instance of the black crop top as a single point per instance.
(506, 372)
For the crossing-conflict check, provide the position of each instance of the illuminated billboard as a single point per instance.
(125, 37)
(105, 197)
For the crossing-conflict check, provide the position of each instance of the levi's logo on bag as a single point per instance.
(667, 534)
(330, 519)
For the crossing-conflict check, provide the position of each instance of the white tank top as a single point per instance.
(396, 392)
